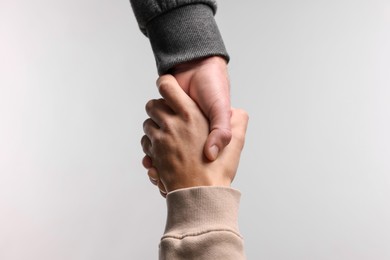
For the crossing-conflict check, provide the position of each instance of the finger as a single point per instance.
(153, 176)
(158, 110)
(147, 162)
(173, 94)
(151, 129)
(146, 147)
(163, 191)
(239, 120)
(164, 194)
(220, 130)
(153, 181)
(239, 123)
(232, 152)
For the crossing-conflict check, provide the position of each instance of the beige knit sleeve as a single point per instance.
(202, 223)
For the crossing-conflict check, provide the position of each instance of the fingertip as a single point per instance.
(153, 181)
(146, 144)
(153, 174)
(163, 190)
(164, 194)
(147, 162)
(164, 79)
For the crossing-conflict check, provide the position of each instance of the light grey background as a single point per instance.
(315, 174)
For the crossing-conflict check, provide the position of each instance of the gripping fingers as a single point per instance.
(147, 162)
(146, 147)
(153, 176)
(155, 179)
(150, 129)
(239, 123)
(162, 189)
(158, 110)
(173, 94)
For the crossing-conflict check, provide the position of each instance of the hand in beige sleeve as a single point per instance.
(202, 208)
(174, 138)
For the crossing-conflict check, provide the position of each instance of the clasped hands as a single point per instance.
(175, 137)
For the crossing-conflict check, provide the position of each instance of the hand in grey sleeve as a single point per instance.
(186, 43)
(179, 30)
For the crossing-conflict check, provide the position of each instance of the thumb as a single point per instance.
(220, 130)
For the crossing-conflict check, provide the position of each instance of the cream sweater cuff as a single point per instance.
(196, 211)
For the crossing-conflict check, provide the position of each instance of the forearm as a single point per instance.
(202, 223)
(179, 30)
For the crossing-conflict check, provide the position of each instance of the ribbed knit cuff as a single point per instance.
(184, 34)
(198, 210)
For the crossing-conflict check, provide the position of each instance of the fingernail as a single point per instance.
(214, 150)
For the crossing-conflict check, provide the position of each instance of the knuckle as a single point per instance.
(240, 113)
(159, 140)
(186, 115)
(221, 137)
(146, 124)
(168, 125)
(243, 114)
(164, 86)
(150, 105)
(145, 143)
(225, 135)
(143, 139)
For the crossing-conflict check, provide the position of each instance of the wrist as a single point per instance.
(197, 63)
(202, 179)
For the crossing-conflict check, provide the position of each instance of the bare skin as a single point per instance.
(206, 81)
(175, 135)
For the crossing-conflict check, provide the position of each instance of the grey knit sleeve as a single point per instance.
(179, 30)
